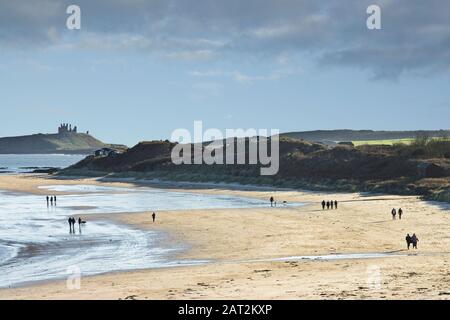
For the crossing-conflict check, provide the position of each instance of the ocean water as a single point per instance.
(23, 163)
(35, 243)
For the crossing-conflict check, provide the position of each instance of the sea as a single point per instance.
(27, 163)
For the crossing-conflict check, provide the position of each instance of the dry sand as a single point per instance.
(233, 237)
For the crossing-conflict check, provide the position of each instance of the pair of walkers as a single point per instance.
(395, 212)
(329, 204)
(412, 240)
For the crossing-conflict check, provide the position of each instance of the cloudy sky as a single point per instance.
(137, 70)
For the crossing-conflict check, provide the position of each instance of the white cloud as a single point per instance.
(191, 55)
(241, 77)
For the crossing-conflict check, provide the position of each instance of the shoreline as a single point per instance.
(237, 235)
(426, 188)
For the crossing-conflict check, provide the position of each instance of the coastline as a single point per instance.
(232, 236)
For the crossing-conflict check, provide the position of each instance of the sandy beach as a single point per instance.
(232, 239)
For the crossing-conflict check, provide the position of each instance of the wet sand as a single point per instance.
(234, 237)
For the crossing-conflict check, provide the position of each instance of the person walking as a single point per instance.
(271, 201)
(400, 212)
(414, 241)
(328, 204)
(54, 199)
(335, 204)
(70, 225)
(408, 240)
(48, 199)
(323, 204)
(154, 217)
(79, 224)
(332, 205)
(51, 200)
(394, 213)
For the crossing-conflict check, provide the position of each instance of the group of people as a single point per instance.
(412, 240)
(329, 204)
(51, 200)
(72, 223)
(394, 213)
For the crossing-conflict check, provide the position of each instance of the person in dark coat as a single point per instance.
(394, 213)
(408, 240)
(414, 241)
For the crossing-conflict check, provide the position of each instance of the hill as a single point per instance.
(420, 168)
(330, 136)
(62, 143)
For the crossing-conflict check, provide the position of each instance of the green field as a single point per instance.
(386, 142)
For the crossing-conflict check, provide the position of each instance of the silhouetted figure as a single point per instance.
(79, 221)
(275, 204)
(400, 212)
(335, 204)
(51, 200)
(332, 204)
(48, 199)
(54, 199)
(70, 225)
(73, 224)
(408, 240)
(271, 201)
(323, 205)
(394, 213)
(154, 217)
(328, 204)
(414, 241)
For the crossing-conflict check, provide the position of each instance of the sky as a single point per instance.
(138, 70)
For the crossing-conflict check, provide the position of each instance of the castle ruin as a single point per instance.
(65, 128)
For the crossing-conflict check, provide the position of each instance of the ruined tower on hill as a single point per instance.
(66, 128)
